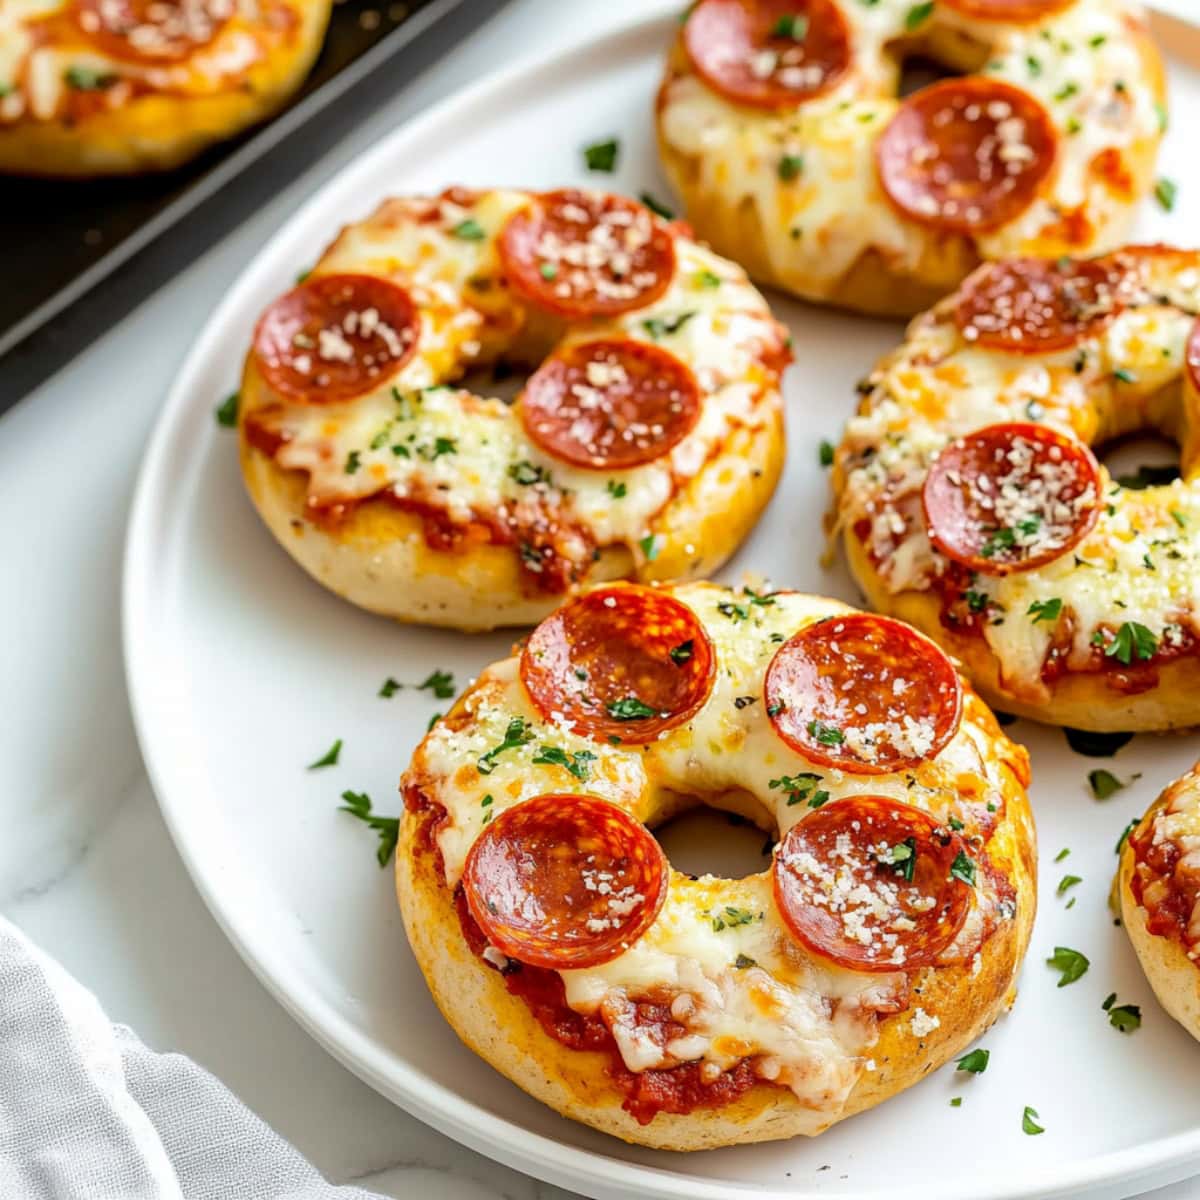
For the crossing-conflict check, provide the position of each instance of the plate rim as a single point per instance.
(1155, 1162)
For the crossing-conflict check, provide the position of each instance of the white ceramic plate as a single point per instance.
(242, 671)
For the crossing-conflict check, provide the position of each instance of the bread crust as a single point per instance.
(1173, 976)
(159, 131)
(879, 281)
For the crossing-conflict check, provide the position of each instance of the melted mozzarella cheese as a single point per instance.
(1140, 563)
(389, 439)
(742, 987)
(1080, 64)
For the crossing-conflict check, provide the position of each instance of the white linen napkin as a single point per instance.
(87, 1112)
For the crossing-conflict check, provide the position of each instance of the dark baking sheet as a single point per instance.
(60, 239)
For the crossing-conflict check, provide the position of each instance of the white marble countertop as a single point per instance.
(86, 866)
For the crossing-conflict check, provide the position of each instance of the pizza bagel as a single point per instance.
(1159, 888)
(644, 444)
(970, 502)
(782, 126)
(882, 935)
(112, 87)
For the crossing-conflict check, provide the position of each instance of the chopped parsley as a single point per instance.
(791, 166)
(1066, 883)
(660, 327)
(1124, 375)
(617, 489)
(329, 758)
(963, 868)
(1061, 854)
(602, 156)
(956, 1102)
(650, 546)
(1001, 539)
(1070, 964)
(825, 454)
(353, 462)
(441, 445)
(683, 652)
(794, 27)
(440, 683)
(1045, 610)
(827, 735)
(516, 735)
(227, 411)
(1166, 191)
(629, 708)
(358, 804)
(974, 1063)
(548, 270)
(903, 856)
(707, 279)
(89, 79)
(656, 207)
(802, 788)
(1105, 783)
(762, 599)
(1125, 834)
(526, 473)
(469, 230)
(1029, 1123)
(918, 15)
(743, 961)
(1124, 1018)
(577, 762)
(735, 612)
(1132, 640)
(731, 917)
(390, 688)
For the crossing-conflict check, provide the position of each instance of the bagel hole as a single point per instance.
(710, 841)
(918, 71)
(504, 379)
(1142, 459)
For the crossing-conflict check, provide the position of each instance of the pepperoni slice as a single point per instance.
(587, 254)
(335, 337)
(1014, 12)
(155, 31)
(1011, 497)
(1193, 357)
(863, 693)
(966, 155)
(608, 405)
(868, 882)
(565, 882)
(1037, 305)
(768, 53)
(623, 662)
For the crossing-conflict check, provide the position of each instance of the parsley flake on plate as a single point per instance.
(1070, 964)
(358, 805)
(329, 758)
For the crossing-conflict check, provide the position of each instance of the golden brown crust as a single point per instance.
(874, 282)
(379, 560)
(1174, 977)
(502, 1030)
(159, 131)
